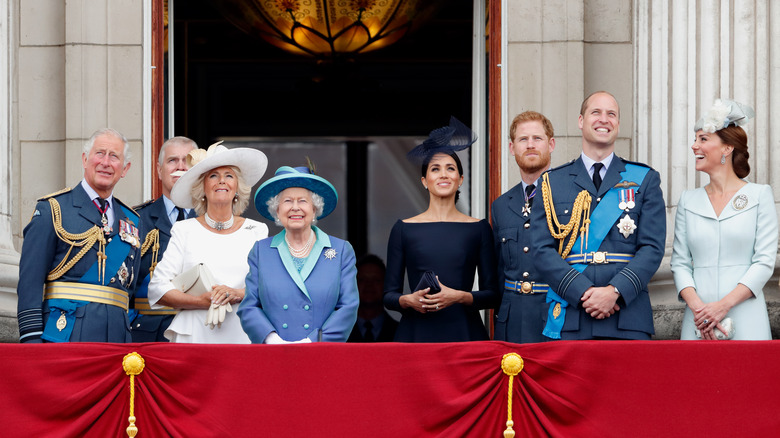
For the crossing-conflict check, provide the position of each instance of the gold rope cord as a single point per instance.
(133, 364)
(580, 211)
(152, 241)
(84, 240)
(511, 365)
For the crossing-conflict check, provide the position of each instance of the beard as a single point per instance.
(534, 163)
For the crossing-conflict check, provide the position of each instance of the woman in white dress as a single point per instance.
(218, 187)
(725, 235)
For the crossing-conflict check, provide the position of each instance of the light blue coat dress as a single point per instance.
(714, 253)
(296, 305)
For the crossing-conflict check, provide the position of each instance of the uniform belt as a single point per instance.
(526, 287)
(143, 308)
(599, 257)
(93, 293)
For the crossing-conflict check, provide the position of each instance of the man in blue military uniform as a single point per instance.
(157, 217)
(81, 254)
(600, 236)
(523, 310)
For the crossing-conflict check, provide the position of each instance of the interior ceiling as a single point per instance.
(229, 83)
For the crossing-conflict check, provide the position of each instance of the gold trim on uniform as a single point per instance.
(66, 290)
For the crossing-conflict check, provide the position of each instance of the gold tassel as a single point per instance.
(133, 364)
(511, 365)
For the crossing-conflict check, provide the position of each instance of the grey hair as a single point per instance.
(174, 140)
(242, 191)
(316, 200)
(108, 131)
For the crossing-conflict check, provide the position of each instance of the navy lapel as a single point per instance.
(581, 176)
(160, 217)
(86, 208)
(516, 199)
(612, 176)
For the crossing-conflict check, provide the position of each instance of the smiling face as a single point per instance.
(174, 159)
(600, 122)
(220, 185)
(442, 177)
(707, 150)
(296, 209)
(531, 147)
(104, 166)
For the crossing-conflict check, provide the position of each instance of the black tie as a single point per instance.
(529, 194)
(369, 336)
(597, 175)
(180, 216)
(103, 205)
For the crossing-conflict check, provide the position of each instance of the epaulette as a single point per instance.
(564, 165)
(51, 195)
(128, 207)
(637, 163)
(143, 205)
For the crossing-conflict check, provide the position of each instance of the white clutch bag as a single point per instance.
(194, 281)
(728, 325)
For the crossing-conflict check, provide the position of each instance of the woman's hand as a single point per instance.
(708, 316)
(221, 294)
(447, 297)
(414, 300)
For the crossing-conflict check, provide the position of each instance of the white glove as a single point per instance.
(211, 316)
(216, 315)
(273, 338)
(302, 341)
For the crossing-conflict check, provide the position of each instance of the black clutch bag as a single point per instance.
(428, 279)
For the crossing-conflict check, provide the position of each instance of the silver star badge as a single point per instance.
(626, 226)
(330, 253)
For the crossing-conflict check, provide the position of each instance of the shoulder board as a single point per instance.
(564, 165)
(635, 163)
(127, 207)
(144, 204)
(51, 195)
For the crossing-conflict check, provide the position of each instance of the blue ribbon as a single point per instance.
(602, 219)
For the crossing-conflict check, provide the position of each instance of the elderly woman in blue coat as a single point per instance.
(301, 285)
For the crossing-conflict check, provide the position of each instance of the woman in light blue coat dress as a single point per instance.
(302, 284)
(725, 236)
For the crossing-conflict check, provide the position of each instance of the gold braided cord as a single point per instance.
(152, 241)
(133, 364)
(511, 364)
(84, 240)
(580, 212)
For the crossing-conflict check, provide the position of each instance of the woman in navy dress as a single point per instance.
(451, 244)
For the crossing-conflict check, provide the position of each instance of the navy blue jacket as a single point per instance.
(42, 251)
(521, 317)
(634, 320)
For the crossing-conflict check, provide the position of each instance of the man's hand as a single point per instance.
(600, 302)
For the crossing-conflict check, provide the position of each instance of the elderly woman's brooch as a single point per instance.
(330, 253)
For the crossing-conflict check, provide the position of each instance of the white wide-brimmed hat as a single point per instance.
(251, 162)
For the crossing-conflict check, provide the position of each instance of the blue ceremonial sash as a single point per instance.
(602, 219)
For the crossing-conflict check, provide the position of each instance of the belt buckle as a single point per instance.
(600, 257)
(527, 287)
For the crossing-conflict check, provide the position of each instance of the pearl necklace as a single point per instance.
(300, 253)
(219, 226)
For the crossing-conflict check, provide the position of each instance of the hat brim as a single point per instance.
(251, 162)
(314, 183)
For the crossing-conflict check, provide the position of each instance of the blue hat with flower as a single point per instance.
(286, 177)
(724, 113)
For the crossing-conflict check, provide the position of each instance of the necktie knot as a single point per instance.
(102, 204)
(179, 214)
(597, 174)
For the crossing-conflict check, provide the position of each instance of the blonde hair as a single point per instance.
(241, 202)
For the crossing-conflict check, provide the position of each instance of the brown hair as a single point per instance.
(736, 137)
(531, 116)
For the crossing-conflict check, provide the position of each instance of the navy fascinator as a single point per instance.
(446, 140)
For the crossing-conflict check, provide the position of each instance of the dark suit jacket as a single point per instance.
(635, 318)
(386, 333)
(43, 250)
(150, 328)
(520, 318)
